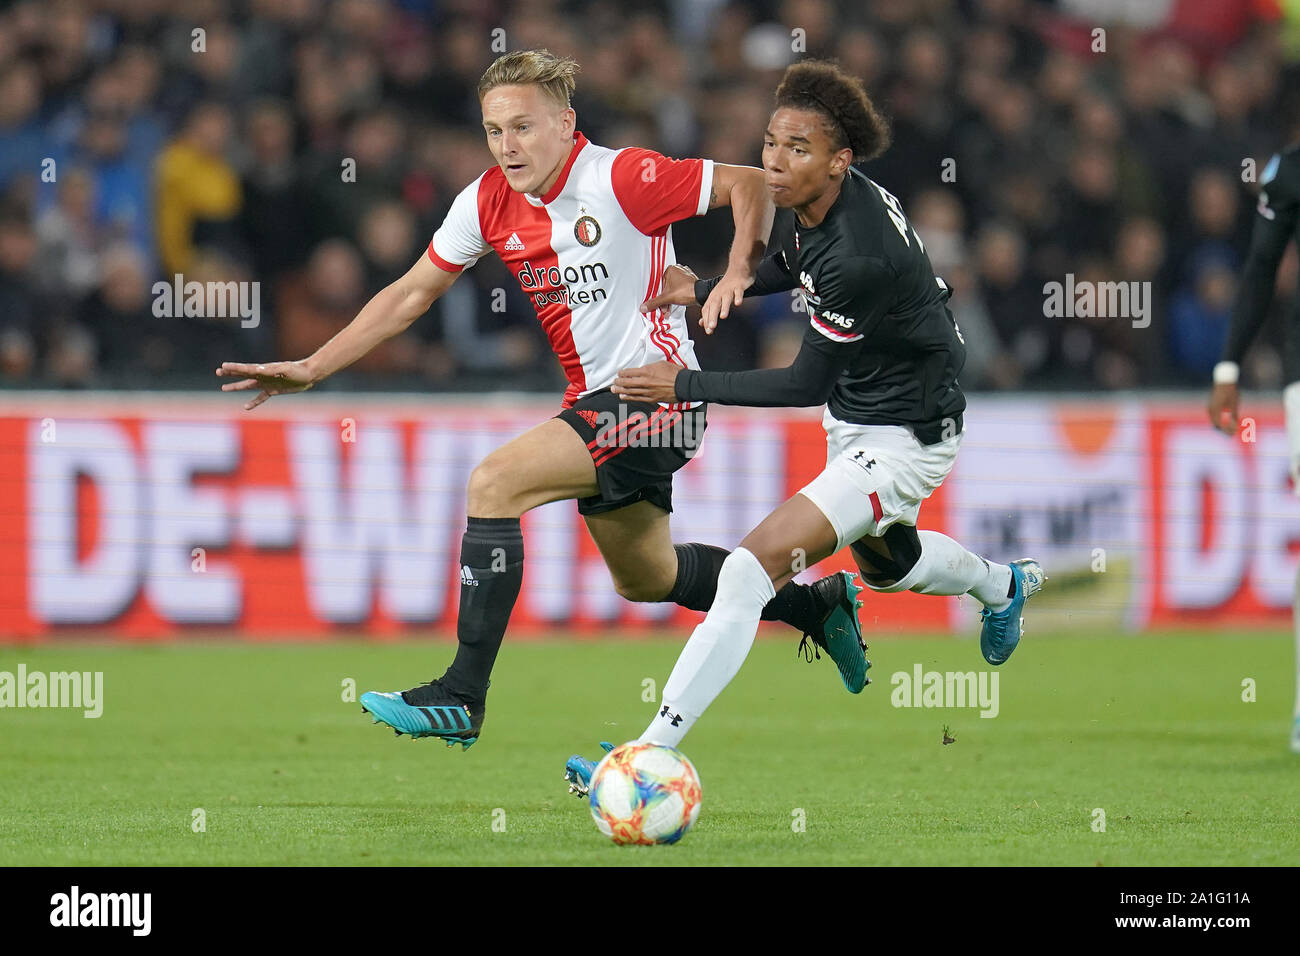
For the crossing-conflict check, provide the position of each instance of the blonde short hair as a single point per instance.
(554, 74)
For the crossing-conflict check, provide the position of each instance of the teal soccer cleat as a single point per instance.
(1295, 737)
(1002, 629)
(429, 710)
(578, 770)
(839, 633)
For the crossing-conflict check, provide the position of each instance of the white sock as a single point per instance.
(945, 567)
(713, 655)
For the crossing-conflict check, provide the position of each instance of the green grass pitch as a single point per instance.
(1151, 730)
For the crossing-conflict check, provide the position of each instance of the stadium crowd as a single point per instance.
(313, 146)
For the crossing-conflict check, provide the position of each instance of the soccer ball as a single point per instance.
(645, 793)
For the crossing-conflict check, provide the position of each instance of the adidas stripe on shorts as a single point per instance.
(635, 446)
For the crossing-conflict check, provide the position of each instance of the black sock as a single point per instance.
(698, 566)
(796, 605)
(491, 570)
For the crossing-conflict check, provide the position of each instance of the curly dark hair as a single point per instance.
(852, 120)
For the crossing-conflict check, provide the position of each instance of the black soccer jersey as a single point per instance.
(1277, 223)
(881, 347)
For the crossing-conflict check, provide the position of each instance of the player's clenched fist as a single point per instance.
(273, 378)
(649, 383)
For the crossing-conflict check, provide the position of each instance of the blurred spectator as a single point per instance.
(19, 308)
(369, 167)
(1199, 313)
(20, 132)
(103, 135)
(272, 219)
(319, 302)
(1014, 300)
(198, 192)
(316, 304)
(68, 235)
(938, 219)
(118, 315)
(1092, 209)
(1214, 218)
(1141, 255)
(388, 243)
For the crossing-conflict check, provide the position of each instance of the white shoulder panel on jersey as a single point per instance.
(459, 240)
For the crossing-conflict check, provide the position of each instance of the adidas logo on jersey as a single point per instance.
(467, 576)
(589, 416)
(514, 243)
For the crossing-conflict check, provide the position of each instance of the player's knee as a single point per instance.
(650, 580)
(904, 547)
(887, 572)
(882, 585)
(490, 492)
(739, 573)
(642, 590)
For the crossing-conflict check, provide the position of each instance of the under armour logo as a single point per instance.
(675, 719)
(865, 464)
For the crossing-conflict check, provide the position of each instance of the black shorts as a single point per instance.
(636, 447)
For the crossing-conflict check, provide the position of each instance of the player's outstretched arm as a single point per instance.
(1268, 242)
(805, 382)
(390, 312)
(744, 189)
(858, 296)
(1279, 208)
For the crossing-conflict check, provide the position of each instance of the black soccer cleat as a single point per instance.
(838, 633)
(430, 710)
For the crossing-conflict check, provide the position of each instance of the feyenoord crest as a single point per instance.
(587, 231)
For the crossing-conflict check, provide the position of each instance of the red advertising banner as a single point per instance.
(157, 516)
(162, 515)
(1224, 522)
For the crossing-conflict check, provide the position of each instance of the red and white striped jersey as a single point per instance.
(588, 253)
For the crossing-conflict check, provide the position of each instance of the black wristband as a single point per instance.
(703, 287)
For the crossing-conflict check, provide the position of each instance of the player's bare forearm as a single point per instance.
(752, 212)
(390, 312)
(744, 189)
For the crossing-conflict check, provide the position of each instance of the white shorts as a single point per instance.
(876, 475)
